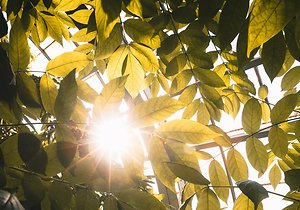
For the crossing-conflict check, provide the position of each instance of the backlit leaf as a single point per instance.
(278, 141)
(203, 115)
(207, 200)
(223, 140)
(237, 165)
(265, 109)
(188, 94)
(82, 15)
(251, 116)
(218, 177)
(263, 92)
(176, 65)
(291, 78)
(66, 62)
(186, 131)
(191, 109)
(275, 176)
(67, 96)
(257, 154)
(244, 203)
(283, 108)
(86, 92)
(154, 110)
(267, 18)
(48, 92)
(208, 77)
(180, 81)
(9, 150)
(115, 64)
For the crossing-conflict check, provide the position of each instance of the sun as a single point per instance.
(111, 138)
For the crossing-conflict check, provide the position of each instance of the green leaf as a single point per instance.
(244, 203)
(145, 56)
(63, 64)
(251, 116)
(212, 95)
(263, 92)
(254, 191)
(86, 92)
(186, 131)
(214, 112)
(158, 157)
(283, 108)
(142, 32)
(278, 141)
(61, 196)
(115, 63)
(66, 152)
(188, 94)
(86, 200)
(154, 110)
(275, 176)
(185, 14)
(191, 109)
(218, 177)
(267, 19)
(237, 165)
(48, 92)
(207, 200)
(208, 77)
(67, 97)
(9, 150)
(291, 42)
(137, 199)
(231, 20)
(273, 55)
(34, 190)
(208, 9)
(107, 14)
(292, 179)
(27, 153)
(19, 54)
(180, 81)
(257, 154)
(291, 78)
(176, 65)
(27, 90)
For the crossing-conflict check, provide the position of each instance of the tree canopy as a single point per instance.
(190, 59)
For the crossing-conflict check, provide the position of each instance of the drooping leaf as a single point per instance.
(67, 97)
(257, 154)
(254, 191)
(262, 18)
(218, 178)
(291, 42)
(212, 95)
(283, 108)
(278, 141)
(275, 176)
(207, 200)
(48, 92)
(237, 165)
(154, 110)
(55, 28)
(231, 20)
(203, 115)
(251, 116)
(66, 62)
(19, 54)
(273, 54)
(223, 140)
(291, 78)
(244, 203)
(186, 131)
(292, 179)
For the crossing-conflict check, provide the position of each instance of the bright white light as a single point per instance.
(111, 138)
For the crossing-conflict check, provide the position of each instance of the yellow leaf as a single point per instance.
(237, 165)
(265, 110)
(48, 92)
(191, 109)
(244, 203)
(275, 176)
(154, 110)
(283, 108)
(278, 141)
(66, 62)
(83, 36)
(186, 131)
(207, 200)
(263, 92)
(251, 116)
(257, 154)
(82, 16)
(115, 63)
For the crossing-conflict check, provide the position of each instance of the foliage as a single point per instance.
(160, 47)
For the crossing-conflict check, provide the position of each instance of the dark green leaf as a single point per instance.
(176, 65)
(66, 152)
(34, 190)
(254, 191)
(290, 38)
(185, 14)
(292, 179)
(208, 9)
(87, 200)
(61, 196)
(66, 98)
(28, 146)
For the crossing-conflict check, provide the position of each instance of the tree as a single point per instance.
(163, 48)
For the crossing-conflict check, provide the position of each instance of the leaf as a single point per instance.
(207, 200)
(142, 32)
(19, 54)
(231, 20)
(265, 112)
(185, 14)
(63, 64)
(237, 165)
(115, 63)
(212, 95)
(273, 55)
(27, 90)
(291, 42)
(208, 77)
(203, 115)
(158, 157)
(66, 152)
(137, 199)
(27, 153)
(262, 18)
(81, 16)
(186, 131)
(180, 81)
(107, 15)
(135, 7)
(10, 153)
(154, 110)
(87, 200)
(86, 92)
(254, 191)
(292, 179)
(263, 92)
(145, 56)
(283, 108)
(208, 9)
(244, 203)
(218, 177)
(275, 176)
(257, 154)
(67, 97)
(191, 109)
(61, 195)
(278, 141)
(291, 78)
(83, 35)
(54, 26)
(223, 140)
(188, 94)
(48, 93)
(34, 190)
(251, 116)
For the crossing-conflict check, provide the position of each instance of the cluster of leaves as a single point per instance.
(163, 47)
